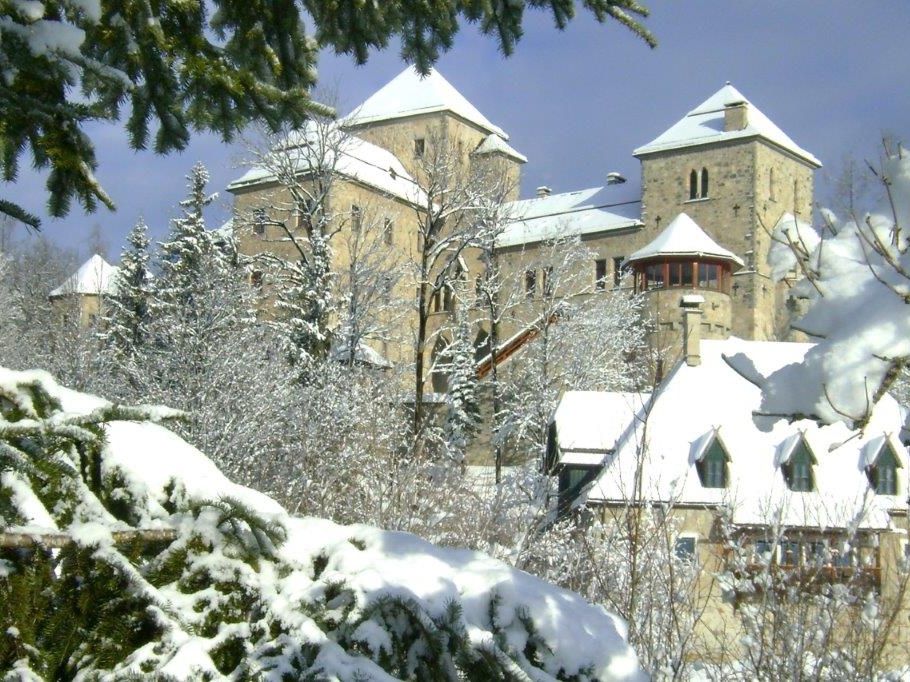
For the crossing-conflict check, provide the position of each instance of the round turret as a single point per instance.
(681, 261)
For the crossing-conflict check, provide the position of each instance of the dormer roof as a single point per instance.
(410, 94)
(494, 144)
(705, 125)
(684, 238)
(95, 276)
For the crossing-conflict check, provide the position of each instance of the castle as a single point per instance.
(714, 185)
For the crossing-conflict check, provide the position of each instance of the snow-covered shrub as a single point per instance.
(125, 552)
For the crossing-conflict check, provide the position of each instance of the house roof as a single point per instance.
(694, 404)
(94, 276)
(683, 237)
(560, 215)
(586, 433)
(357, 159)
(494, 144)
(705, 125)
(410, 94)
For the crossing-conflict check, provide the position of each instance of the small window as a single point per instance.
(788, 553)
(763, 551)
(617, 270)
(684, 548)
(448, 298)
(256, 278)
(548, 282)
(388, 231)
(772, 190)
(530, 283)
(259, 220)
(704, 183)
(693, 185)
(356, 218)
(600, 274)
(436, 304)
(798, 469)
(883, 474)
(419, 147)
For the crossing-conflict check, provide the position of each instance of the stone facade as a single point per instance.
(744, 184)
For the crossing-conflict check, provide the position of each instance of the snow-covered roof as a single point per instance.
(696, 404)
(586, 426)
(364, 354)
(410, 94)
(94, 276)
(494, 144)
(357, 159)
(560, 215)
(705, 125)
(684, 238)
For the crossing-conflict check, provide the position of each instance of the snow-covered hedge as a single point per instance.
(125, 552)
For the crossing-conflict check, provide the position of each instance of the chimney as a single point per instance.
(735, 116)
(543, 191)
(691, 307)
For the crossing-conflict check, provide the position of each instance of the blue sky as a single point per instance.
(831, 73)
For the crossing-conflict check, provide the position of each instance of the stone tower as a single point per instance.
(735, 173)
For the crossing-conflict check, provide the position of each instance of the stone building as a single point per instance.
(787, 502)
(83, 294)
(725, 170)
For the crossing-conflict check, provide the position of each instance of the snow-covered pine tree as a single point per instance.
(462, 401)
(125, 325)
(199, 269)
(125, 553)
(304, 305)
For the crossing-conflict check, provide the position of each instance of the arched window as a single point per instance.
(693, 185)
(704, 183)
(440, 364)
(771, 188)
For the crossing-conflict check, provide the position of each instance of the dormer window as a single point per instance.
(798, 468)
(712, 462)
(882, 473)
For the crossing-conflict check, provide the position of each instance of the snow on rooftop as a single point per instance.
(410, 94)
(94, 276)
(494, 144)
(556, 216)
(684, 237)
(682, 418)
(589, 423)
(705, 125)
(357, 160)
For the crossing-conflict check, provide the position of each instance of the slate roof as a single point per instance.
(410, 94)
(695, 404)
(358, 160)
(94, 276)
(705, 125)
(556, 216)
(681, 238)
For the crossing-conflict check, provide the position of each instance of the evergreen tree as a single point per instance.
(212, 66)
(127, 313)
(463, 414)
(305, 304)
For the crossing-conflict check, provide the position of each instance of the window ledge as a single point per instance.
(697, 200)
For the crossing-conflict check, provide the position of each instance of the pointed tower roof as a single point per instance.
(684, 238)
(705, 124)
(410, 94)
(94, 276)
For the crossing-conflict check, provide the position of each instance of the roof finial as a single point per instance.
(728, 83)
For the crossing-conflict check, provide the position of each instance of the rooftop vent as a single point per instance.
(544, 191)
(614, 178)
